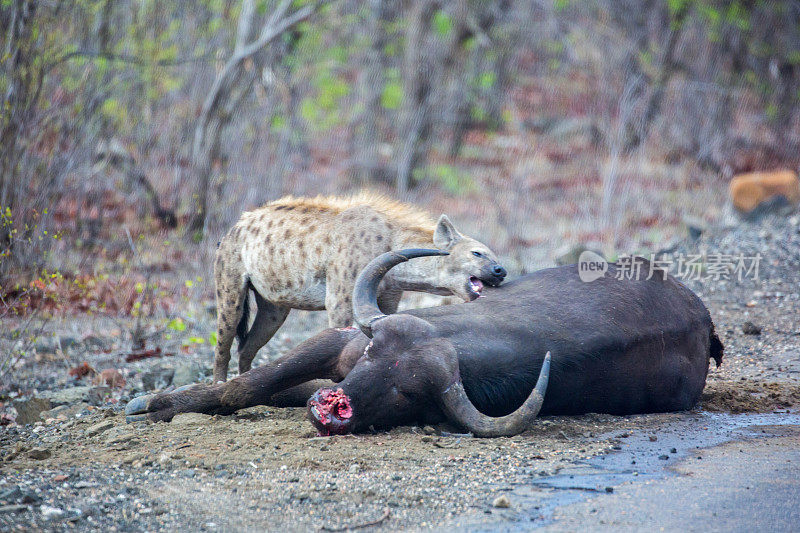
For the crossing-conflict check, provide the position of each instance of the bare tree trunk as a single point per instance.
(371, 86)
(17, 102)
(231, 86)
(668, 66)
(416, 93)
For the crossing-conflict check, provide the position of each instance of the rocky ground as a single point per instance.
(70, 461)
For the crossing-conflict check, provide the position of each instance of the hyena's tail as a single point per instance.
(241, 327)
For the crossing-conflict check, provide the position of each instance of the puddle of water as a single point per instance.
(640, 458)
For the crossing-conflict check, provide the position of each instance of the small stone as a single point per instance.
(97, 343)
(118, 435)
(749, 328)
(429, 430)
(66, 342)
(99, 428)
(28, 411)
(663, 457)
(653, 438)
(501, 502)
(50, 513)
(695, 227)
(609, 489)
(39, 453)
(11, 494)
(16, 508)
(99, 395)
(673, 450)
(354, 468)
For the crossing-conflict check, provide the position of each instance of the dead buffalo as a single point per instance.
(619, 346)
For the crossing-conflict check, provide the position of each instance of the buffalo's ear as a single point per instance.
(445, 235)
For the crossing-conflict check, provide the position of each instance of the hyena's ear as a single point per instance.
(445, 235)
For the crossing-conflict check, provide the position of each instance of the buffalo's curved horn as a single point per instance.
(365, 294)
(459, 409)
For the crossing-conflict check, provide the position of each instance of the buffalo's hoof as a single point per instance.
(152, 407)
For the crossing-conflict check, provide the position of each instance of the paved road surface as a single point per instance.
(750, 485)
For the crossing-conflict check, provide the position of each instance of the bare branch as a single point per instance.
(245, 26)
(124, 58)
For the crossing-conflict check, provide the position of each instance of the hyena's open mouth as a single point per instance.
(474, 287)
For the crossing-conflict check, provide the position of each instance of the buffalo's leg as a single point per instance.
(316, 358)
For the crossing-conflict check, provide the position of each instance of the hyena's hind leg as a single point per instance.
(269, 318)
(232, 285)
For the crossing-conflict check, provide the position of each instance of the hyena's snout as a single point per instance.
(493, 274)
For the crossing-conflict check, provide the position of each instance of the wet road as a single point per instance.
(705, 472)
(751, 485)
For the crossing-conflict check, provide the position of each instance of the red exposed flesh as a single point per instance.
(335, 403)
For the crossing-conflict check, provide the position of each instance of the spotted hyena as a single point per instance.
(305, 253)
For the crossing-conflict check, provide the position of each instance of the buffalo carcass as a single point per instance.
(619, 346)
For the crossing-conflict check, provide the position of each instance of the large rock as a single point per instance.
(66, 411)
(68, 396)
(157, 378)
(28, 411)
(776, 190)
(189, 372)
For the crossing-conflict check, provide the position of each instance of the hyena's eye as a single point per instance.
(477, 253)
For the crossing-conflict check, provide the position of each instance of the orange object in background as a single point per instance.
(749, 190)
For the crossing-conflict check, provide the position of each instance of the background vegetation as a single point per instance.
(134, 132)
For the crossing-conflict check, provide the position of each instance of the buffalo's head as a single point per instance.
(406, 370)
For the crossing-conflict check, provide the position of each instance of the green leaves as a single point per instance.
(487, 80)
(451, 179)
(442, 23)
(677, 6)
(323, 109)
(177, 324)
(392, 95)
(114, 111)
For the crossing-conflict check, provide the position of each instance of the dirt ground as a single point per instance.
(82, 467)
